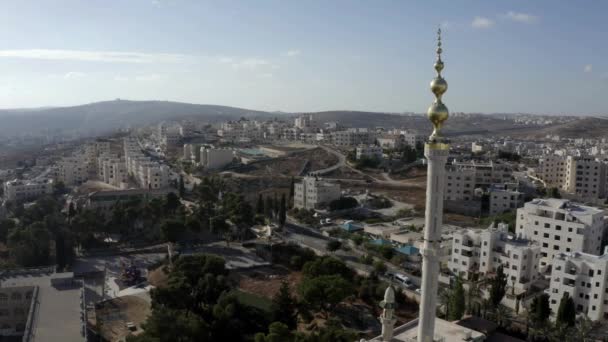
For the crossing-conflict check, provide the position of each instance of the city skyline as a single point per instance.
(542, 57)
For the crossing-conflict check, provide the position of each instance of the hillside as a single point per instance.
(102, 117)
(581, 128)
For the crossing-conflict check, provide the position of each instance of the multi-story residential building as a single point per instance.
(504, 198)
(368, 151)
(477, 252)
(215, 158)
(73, 170)
(583, 277)
(581, 177)
(352, 137)
(312, 193)
(460, 183)
(560, 225)
(391, 141)
(586, 177)
(19, 190)
(413, 139)
(486, 174)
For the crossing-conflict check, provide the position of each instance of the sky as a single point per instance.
(544, 56)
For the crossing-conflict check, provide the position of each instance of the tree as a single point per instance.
(259, 207)
(172, 202)
(269, 207)
(554, 193)
(30, 246)
(6, 225)
(284, 307)
(277, 332)
(59, 188)
(457, 301)
(343, 203)
(182, 187)
(326, 265)
(333, 245)
(566, 313)
(282, 211)
(325, 292)
(498, 286)
(379, 267)
(292, 189)
(540, 310)
(172, 230)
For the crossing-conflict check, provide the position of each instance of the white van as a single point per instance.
(400, 278)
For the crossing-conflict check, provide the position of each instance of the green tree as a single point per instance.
(6, 225)
(554, 193)
(30, 246)
(284, 307)
(540, 310)
(326, 265)
(498, 286)
(325, 292)
(172, 202)
(259, 207)
(282, 211)
(566, 313)
(277, 332)
(457, 301)
(172, 229)
(292, 189)
(333, 245)
(343, 203)
(182, 186)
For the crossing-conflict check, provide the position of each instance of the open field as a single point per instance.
(292, 165)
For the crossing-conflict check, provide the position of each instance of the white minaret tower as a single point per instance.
(436, 152)
(387, 318)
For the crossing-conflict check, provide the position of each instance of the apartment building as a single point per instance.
(477, 252)
(582, 177)
(486, 174)
(353, 137)
(20, 190)
(583, 277)
(215, 158)
(413, 139)
(460, 183)
(391, 141)
(313, 192)
(73, 170)
(504, 198)
(560, 225)
(368, 151)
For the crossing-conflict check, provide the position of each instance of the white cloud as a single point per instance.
(292, 53)
(147, 78)
(482, 23)
(251, 64)
(445, 25)
(588, 68)
(120, 78)
(266, 75)
(94, 56)
(521, 17)
(74, 75)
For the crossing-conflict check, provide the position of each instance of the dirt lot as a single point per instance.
(267, 284)
(113, 315)
(311, 160)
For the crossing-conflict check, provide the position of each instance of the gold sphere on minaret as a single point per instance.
(438, 113)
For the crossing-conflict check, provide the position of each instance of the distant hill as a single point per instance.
(581, 128)
(102, 117)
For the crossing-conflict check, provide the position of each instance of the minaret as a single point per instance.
(436, 152)
(388, 314)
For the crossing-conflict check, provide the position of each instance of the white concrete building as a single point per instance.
(481, 252)
(216, 158)
(391, 141)
(352, 137)
(460, 184)
(504, 198)
(560, 225)
(582, 177)
(21, 190)
(486, 173)
(368, 151)
(312, 193)
(73, 170)
(583, 277)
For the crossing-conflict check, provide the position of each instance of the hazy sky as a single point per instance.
(501, 56)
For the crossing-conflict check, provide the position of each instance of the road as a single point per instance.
(311, 238)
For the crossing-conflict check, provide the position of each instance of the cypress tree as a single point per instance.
(457, 301)
(282, 211)
(566, 313)
(259, 208)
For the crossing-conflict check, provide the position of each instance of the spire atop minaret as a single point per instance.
(438, 113)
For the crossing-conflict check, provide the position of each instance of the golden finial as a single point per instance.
(438, 113)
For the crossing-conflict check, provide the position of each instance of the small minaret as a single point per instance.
(388, 314)
(436, 152)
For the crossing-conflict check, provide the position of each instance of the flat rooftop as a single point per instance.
(575, 209)
(450, 332)
(57, 312)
